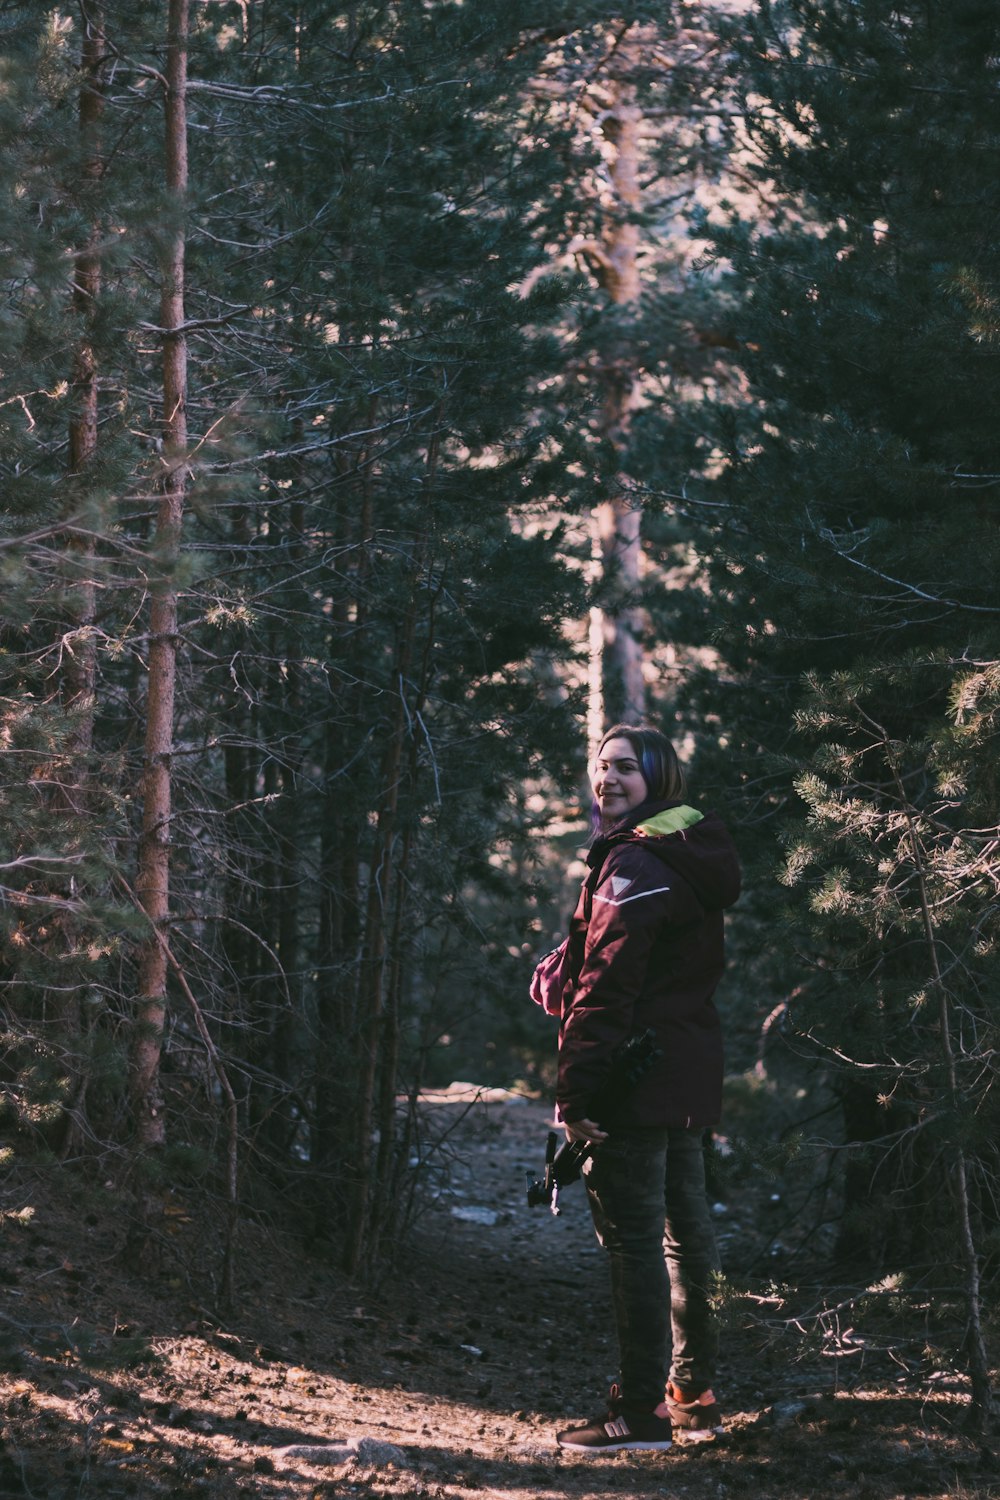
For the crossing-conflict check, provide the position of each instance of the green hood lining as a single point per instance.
(673, 820)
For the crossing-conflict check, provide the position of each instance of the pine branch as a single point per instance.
(193, 325)
(911, 588)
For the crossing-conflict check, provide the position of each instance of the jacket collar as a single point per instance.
(652, 819)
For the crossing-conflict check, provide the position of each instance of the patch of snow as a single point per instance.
(473, 1214)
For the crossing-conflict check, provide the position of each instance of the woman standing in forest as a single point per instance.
(645, 950)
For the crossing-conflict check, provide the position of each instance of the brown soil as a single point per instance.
(485, 1339)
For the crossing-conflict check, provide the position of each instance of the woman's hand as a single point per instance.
(585, 1130)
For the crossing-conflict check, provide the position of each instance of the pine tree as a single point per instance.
(857, 550)
(645, 108)
(346, 605)
(63, 454)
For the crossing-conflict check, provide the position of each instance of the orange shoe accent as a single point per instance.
(689, 1398)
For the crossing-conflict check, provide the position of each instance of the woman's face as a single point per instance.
(618, 783)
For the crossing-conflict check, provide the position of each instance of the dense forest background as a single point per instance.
(394, 394)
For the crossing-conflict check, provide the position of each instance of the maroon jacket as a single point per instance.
(646, 950)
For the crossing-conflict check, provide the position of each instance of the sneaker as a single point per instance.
(696, 1417)
(619, 1429)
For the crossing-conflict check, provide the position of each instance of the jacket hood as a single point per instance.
(697, 845)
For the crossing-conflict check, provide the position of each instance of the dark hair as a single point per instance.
(661, 770)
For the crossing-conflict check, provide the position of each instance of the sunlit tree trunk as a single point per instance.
(616, 687)
(153, 878)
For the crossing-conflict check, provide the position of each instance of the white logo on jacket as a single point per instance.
(621, 883)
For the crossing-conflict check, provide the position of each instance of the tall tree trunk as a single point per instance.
(342, 838)
(78, 655)
(373, 1033)
(375, 956)
(286, 1016)
(387, 1209)
(153, 878)
(616, 686)
(79, 659)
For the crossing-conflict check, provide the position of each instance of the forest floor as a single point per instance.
(449, 1381)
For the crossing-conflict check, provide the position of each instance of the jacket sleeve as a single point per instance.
(631, 903)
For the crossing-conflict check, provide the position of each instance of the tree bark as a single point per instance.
(374, 959)
(153, 878)
(342, 837)
(376, 1036)
(616, 687)
(79, 654)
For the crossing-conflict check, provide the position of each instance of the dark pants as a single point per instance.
(647, 1196)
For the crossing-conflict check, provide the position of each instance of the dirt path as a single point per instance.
(448, 1382)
